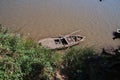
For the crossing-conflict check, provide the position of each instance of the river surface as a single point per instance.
(49, 18)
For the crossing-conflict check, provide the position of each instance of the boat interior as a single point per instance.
(61, 40)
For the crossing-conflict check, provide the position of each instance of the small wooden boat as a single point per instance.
(118, 30)
(61, 42)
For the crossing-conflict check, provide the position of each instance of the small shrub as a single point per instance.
(74, 63)
(24, 59)
(10, 69)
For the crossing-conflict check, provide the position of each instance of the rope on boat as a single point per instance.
(70, 33)
(74, 32)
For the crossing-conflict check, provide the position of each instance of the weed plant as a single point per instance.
(24, 59)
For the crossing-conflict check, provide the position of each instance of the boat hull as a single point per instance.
(61, 42)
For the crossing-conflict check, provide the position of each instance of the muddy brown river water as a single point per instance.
(48, 18)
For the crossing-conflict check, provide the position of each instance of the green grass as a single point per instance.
(74, 62)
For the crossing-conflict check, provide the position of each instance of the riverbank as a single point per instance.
(23, 59)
